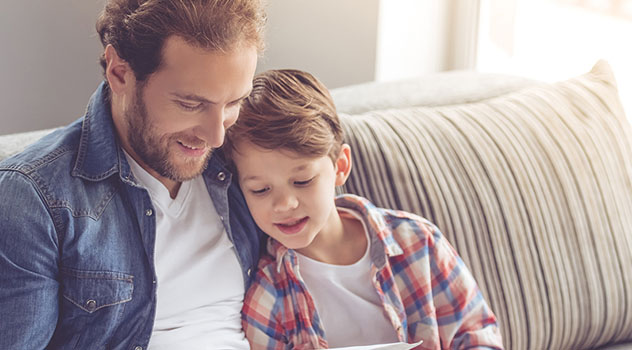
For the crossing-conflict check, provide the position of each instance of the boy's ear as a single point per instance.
(118, 72)
(343, 165)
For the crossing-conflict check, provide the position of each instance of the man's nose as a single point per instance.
(284, 201)
(212, 127)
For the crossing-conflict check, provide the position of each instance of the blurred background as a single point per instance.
(49, 49)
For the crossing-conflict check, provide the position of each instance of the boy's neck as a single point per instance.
(342, 242)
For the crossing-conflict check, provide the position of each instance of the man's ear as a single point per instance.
(118, 72)
(343, 165)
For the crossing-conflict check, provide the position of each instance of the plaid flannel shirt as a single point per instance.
(426, 290)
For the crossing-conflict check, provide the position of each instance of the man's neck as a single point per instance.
(172, 186)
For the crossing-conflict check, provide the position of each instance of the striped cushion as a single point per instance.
(533, 188)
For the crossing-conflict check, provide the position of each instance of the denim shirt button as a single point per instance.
(138, 348)
(249, 271)
(91, 305)
(221, 176)
(149, 212)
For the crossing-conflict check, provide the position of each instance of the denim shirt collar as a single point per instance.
(98, 155)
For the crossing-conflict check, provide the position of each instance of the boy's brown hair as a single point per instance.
(137, 29)
(291, 110)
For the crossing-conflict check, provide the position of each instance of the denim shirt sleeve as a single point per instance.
(29, 260)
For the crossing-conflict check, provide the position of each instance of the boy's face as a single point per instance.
(291, 197)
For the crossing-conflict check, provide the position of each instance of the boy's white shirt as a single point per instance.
(346, 300)
(200, 288)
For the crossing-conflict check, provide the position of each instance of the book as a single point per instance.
(390, 346)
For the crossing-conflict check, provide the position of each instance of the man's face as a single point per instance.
(180, 113)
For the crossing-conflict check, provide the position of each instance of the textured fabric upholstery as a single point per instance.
(14, 143)
(532, 187)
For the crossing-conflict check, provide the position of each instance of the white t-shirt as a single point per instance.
(346, 300)
(200, 288)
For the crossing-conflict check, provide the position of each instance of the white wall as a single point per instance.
(345, 42)
(48, 61)
(530, 41)
(333, 39)
(49, 49)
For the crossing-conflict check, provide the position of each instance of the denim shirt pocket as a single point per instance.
(92, 306)
(94, 290)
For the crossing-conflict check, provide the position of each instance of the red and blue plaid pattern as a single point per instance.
(426, 290)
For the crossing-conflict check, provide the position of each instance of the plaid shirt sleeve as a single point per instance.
(260, 313)
(278, 313)
(443, 304)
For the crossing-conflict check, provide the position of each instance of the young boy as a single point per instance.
(339, 271)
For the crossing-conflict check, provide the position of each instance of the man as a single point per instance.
(123, 230)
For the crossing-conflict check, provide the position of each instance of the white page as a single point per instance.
(391, 346)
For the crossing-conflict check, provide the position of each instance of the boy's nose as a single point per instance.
(284, 202)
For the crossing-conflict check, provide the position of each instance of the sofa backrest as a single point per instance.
(533, 187)
(14, 143)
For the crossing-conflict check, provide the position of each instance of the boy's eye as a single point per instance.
(303, 183)
(260, 191)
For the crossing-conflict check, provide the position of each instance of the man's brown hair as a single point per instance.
(291, 110)
(137, 29)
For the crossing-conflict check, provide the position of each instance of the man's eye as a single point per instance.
(237, 103)
(190, 107)
(303, 183)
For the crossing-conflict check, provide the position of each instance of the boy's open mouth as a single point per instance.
(292, 226)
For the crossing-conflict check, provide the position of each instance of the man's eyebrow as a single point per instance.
(192, 97)
(244, 96)
(198, 98)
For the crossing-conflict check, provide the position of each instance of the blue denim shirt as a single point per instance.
(77, 240)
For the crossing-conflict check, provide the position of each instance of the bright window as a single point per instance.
(553, 40)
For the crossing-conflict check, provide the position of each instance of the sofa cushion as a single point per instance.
(532, 187)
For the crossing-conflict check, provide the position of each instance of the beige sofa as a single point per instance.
(531, 182)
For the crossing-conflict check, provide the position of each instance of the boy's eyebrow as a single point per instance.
(300, 167)
(255, 177)
(248, 178)
(198, 98)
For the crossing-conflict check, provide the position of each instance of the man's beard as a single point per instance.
(154, 150)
